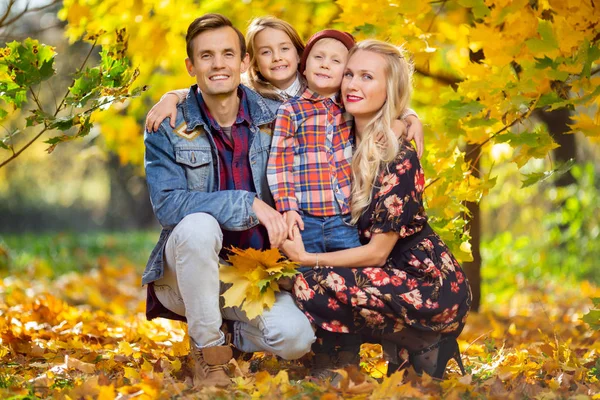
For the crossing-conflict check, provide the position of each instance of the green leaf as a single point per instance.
(367, 29)
(263, 284)
(63, 123)
(4, 142)
(531, 179)
(546, 62)
(38, 117)
(85, 87)
(592, 318)
(478, 7)
(593, 54)
(460, 109)
(596, 301)
(29, 62)
(546, 43)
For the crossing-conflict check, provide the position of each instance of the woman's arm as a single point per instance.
(373, 254)
(166, 107)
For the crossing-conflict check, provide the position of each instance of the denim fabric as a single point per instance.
(182, 172)
(325, 234)
(190, 287)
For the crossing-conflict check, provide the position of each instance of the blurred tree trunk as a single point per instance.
(557, 122)
(473, 268)
(129, 205)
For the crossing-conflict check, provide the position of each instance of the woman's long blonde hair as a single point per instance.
(254, 78)
(371, 154)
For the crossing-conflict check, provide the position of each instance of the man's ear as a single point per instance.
(245, 63)
(190, 67)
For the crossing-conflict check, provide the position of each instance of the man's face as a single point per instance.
(217, 62)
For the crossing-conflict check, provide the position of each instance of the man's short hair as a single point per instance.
(209, 22)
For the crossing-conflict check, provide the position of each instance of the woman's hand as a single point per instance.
(294, 249)
(166, 107)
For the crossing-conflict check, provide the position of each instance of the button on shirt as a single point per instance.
(310, 162)
(233, 145)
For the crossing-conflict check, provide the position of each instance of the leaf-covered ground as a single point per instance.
(85, 336)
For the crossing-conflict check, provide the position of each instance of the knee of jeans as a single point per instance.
(293, 339)
(199, 231)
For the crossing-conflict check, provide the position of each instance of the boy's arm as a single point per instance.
(281, 162)
(172, 201)
(414, 129)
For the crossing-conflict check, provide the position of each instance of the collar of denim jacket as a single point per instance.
(262, 110)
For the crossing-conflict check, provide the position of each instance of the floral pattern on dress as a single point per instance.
(423, 287)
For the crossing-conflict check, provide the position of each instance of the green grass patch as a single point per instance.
(59, 253)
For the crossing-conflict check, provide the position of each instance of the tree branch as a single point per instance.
(11, 3)
(77, 72)
(446, 79)
(480, 145)
(4, 23)
(36, 137)
(15, 155)
(443, 3)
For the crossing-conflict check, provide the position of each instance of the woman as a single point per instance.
(403, 285)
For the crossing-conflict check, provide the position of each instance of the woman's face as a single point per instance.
(276, 57)
(364, 83)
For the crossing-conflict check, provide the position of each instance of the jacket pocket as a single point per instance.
(198, 167)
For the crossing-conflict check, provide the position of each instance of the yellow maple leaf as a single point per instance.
(106, 393)
(586, 125)
(252, 275)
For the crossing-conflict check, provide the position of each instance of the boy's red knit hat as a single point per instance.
(344, 37)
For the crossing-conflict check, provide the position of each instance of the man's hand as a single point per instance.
(292, 219)
(166, 107)
(415, 132)
(272, 220)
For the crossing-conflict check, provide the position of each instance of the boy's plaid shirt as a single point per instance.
(309, 165)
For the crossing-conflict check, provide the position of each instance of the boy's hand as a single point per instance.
(399, 127)
(415, 132)
(292, 218)
(166, 107)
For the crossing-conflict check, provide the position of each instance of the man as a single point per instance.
(208, 188)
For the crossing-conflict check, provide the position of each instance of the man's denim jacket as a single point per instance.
(182, 171)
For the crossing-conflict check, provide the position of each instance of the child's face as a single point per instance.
(276, 56)
(325, 66)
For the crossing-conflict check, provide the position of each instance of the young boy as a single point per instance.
(309, 170)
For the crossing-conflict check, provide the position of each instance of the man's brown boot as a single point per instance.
(210, 365)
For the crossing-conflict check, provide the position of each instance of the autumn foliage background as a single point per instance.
(509, 92)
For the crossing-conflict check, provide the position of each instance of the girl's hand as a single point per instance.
(294, 249)
(415, 132)
(166, 107)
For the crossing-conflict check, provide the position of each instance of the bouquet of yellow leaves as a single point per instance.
(253, 275)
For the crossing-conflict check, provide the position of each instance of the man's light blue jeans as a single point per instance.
(191, 287)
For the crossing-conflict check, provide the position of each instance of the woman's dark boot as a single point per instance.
(427, 351)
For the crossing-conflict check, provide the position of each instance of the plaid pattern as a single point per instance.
(309, 165)
(234, 170)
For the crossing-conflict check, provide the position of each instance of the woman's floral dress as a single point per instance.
(421, 286)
